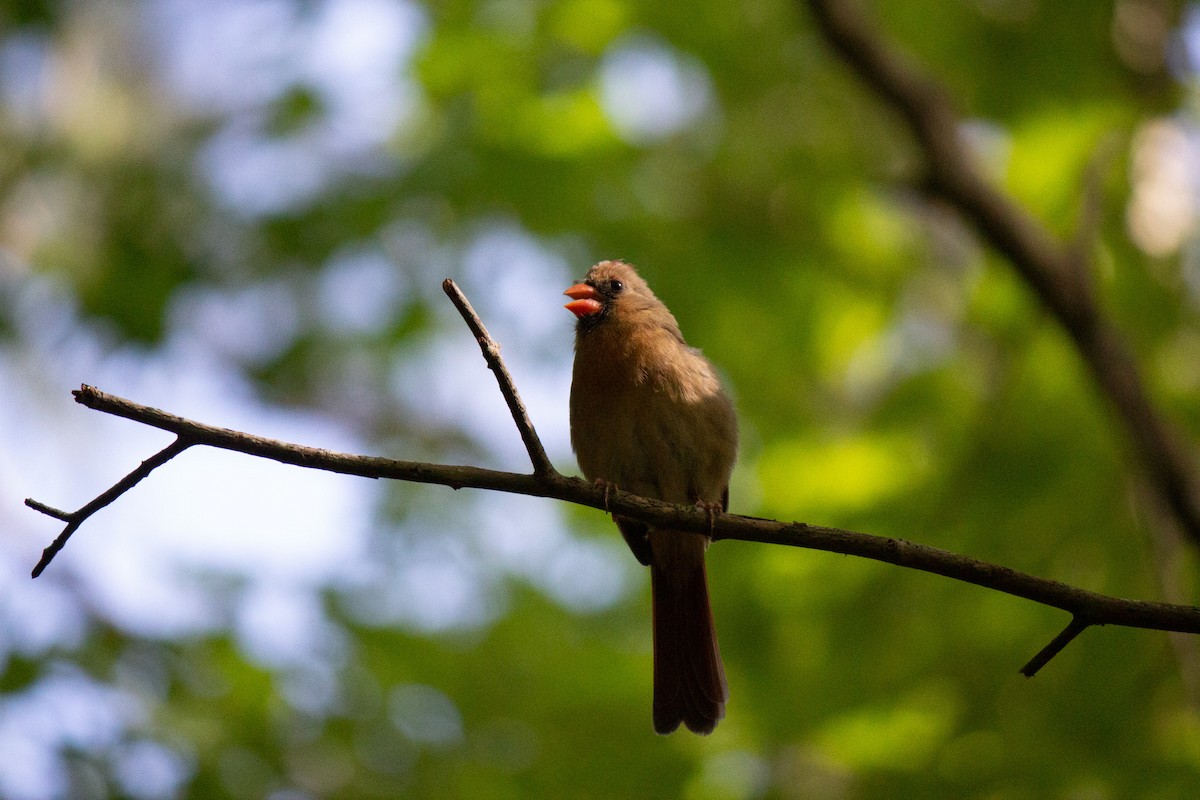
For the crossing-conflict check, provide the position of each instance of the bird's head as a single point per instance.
(611, 289)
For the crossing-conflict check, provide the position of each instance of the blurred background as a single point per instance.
(241, 211)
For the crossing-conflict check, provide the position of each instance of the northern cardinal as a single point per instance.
(648, 415)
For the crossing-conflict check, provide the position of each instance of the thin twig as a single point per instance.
(1050, 268)
(1077, 626)
(491, 354)
(76, 518)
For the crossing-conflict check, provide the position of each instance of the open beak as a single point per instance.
(585, 300)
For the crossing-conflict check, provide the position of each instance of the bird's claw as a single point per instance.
(607, 486)
(711, 510)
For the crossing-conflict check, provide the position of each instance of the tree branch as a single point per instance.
(1076, 626)
(76, 518)
(1087, 608)
(1052, 270)
(491, 354)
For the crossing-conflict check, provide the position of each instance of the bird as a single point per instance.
(649, 416)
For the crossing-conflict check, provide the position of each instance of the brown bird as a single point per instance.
(648, 415)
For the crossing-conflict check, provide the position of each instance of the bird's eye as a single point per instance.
(615, 286)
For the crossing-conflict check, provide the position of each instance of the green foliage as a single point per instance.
(892, 376)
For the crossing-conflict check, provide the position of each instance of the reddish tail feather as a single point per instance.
(689, 679)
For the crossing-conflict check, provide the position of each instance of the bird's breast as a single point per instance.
(653, 421)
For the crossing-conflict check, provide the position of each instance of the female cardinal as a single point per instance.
(648, 415)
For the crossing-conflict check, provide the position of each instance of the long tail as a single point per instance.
(689, 679)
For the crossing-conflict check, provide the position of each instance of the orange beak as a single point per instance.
(585, 300)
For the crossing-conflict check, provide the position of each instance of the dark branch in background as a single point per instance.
(1057, 273)
(1086, 608)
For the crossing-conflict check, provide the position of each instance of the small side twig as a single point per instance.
(76, 518)
(1077, 626)
(491, 354)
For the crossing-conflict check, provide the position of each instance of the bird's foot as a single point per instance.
(607, 486)
(711, 510)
